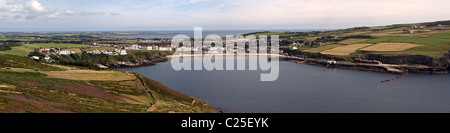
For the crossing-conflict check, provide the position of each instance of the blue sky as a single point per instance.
(113, 15)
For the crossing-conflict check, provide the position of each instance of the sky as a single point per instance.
(166, 15)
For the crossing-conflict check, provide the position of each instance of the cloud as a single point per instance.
(114, 14)
(69, 12)
(197, 1)
(31, 9)
(32, 16)
(17, 17)
(34, 7)
(6, 17)
(8, 6)
(92, 13)
(53, 16)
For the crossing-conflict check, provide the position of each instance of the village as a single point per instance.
(121, 49)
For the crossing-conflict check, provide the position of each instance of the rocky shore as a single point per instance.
(136, 64)
(395, 69)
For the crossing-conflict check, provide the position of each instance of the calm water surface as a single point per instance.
(305, 88)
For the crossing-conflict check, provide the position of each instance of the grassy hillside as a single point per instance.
(25, 49)
(24, 62)
(29, 86)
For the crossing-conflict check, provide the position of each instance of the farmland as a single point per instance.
(414, 42)
(391, 47)
(323, 48)
(352, 41)
(345, 50)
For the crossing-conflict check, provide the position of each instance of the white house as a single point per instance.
(123, 52)
(149, 48)
(47, 58)
(35, 57)
(66, 52)
(135, 47)
(331, 62)
(165, 49)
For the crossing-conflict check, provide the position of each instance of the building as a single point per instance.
(35, 57)
(135, 47)
(65, 52)
(165, 49)
(418, 26)
(123, 52)
(149, 48)
(331, 62)
(47, 58)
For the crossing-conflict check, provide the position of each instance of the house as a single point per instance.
(165, 49)
(122, 52)
(149, 48)
(135, 47)
(96, 51)
(65, 52)
(47, 58)
(418, 26)
(180, 49)
(331, 62)
(35, 57)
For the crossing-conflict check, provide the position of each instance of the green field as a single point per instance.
(434, 46)
(99, 48)
(25, 49)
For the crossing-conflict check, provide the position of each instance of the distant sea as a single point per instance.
(190, 33)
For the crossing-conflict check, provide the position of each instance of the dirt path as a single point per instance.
(148, 91)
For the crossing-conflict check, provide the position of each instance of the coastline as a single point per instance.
(384, 68)
(225, 55)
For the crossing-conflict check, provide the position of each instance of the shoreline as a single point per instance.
(225, 55)
(385, 68)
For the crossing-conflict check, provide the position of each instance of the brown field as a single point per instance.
(345, 50)
(352, 41)
(391, 47)
(79, 74)
(322, 48)
(400, 33)
(354, 33)
(89, 75)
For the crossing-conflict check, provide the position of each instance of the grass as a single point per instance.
(441, 38)
(345, 50)
(352, 41)
(434, 52)
(322, 48)
(433, 46)
(24, 62)
(90, 75)
(32, 98)
(26, 88)
(20, 39)
(79, 74)
(25, 49)
(170, 101)
(99, 48)
(391, 47)
(77, 50)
